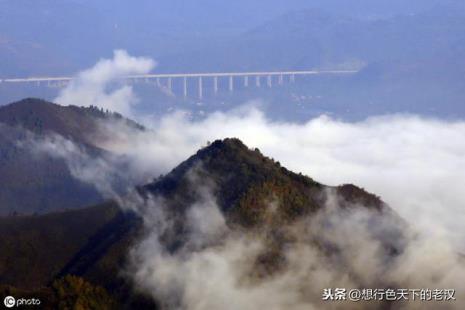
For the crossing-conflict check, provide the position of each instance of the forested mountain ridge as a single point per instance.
(34, 182)
(242, 181)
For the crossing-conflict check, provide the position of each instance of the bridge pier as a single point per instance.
(292, 78)
(185, 86)
(215, 85)
(246, 81)
(281, 79)
(158, 82)
(200, 88)
(257, 81)
(231, 83)
(268, 80)
(170, 84)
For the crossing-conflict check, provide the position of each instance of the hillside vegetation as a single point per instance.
(37, 183)
(37, 252)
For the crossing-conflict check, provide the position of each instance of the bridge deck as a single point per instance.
(188, 75)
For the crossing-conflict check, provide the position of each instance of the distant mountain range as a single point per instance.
(46, 37)
(411, 56)
(316, 39)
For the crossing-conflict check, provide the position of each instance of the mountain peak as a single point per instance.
(244, 182)
(222, 146)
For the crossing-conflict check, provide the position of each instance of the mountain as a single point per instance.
(409, 63)
(93, 243)
(36, 249)
(50, 37)
(243, 178)
(34, 182)
(78, 124)
(316, 38)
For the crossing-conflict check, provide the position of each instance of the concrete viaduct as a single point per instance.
(166, 80)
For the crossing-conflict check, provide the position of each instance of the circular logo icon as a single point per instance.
(9, 301)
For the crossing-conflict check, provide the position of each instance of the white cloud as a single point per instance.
(217, 270)
(91, 87)
(415, 164)
(103, 171)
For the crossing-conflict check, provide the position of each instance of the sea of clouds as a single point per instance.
(415, 164)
